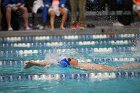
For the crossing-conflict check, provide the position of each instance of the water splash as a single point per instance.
(58, 54)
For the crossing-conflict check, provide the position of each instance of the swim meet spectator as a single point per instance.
(0, 16)
(136, 7)
(39, 5)
(80, 4)
(57, 8)
(15, 5)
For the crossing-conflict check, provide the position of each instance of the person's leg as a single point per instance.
(0, 18)
(73, 4)
(25, 16)
(35, 21)
(139, 13)
(52, 18)
(64, 17)
(136, 9)
(35, 13)
(81, 5)
(44, 15)
(8, 18)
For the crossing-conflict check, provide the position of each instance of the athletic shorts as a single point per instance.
(55, 8)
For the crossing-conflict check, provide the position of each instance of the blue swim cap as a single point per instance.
(64, 63)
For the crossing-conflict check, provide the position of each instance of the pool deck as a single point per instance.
(87, 31)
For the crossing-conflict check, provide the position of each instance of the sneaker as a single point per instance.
(73, 27)
(28, 28)
(80, 26)
(46, 27)
(118, 24)
(40, 27)
(10, 29)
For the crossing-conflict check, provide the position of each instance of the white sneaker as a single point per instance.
(118, 24)
(28, 28)
(10, 29)
(40, 27)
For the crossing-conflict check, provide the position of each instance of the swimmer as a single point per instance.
(71, 62)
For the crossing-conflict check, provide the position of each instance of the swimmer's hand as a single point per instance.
(28, 65)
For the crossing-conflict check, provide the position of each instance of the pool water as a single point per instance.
(100, 49)
(73, 86)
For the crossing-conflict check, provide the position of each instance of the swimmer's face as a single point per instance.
(73, 61)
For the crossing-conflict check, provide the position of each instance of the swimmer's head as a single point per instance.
(73, 61)
(66, 62)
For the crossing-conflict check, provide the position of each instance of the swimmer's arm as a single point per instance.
(99, 67)
(30, 64)
(95, 67)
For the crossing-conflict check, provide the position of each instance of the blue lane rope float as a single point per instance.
(92, 76)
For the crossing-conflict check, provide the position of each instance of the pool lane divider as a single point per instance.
(67, 37)
(62, 43)
(125, 60)
(90, 76)
(85, 50)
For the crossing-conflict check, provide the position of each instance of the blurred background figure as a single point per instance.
(77, 4)
(57, 8)
(39, 6)
(125, 16)
(136, 7)
(0, 16)
(14, 6)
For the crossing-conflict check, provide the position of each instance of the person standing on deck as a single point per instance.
(15, 5)
(0, 16)
(57, 8)
(77, 4)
